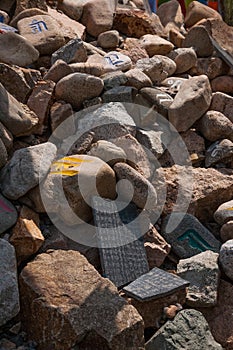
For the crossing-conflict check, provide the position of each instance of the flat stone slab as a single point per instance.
(155, 284)
(122, 252)
(187, 235)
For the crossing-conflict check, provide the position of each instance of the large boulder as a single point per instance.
(66, 304)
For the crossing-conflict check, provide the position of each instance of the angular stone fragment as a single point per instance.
(39, 102)
(141, 191)
(210, 66)
(170, 12)
(220, 318)
(185, 59)
(152, 67)
(197, 11)
(87, 309)
(152, 141)
(190, 103)
(58, 71)
(16, 117)
(160, 100)
(203, 273)
(215, 126)
(25, 169)
(187, 235)
(222, 103)
(199, 39)
(114, 79)
(155, 45)
(72, 8)
(26, 236)
(120, 94)
(8, 214)
(17, 50)
(73, 51)
(97, 16)
(9, 294)
(135, 23)
(189, 330)
(75, 88)
(43, 32)
(28, 4)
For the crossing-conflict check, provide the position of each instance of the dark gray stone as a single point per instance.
(9, 294)
(74, 51)
(8, 214)
(203, 273)
(114, 79)
(155, 284)
(154, 141)
(120, 94)
(122, 252)
(187, 235)
(188, 331)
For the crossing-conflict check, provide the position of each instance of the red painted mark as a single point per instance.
(4, 207)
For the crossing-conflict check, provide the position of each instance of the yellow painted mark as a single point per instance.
(64, 166)
(230, 208)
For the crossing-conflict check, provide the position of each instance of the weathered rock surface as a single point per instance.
(87, 309)
(203, 273)
(8, 214)
(191, 102)
(26, 168)
(9, 294)
(188, 330)
(226, 258)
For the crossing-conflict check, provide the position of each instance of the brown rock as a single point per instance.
(87, 309)
(198, 38)
(223, 84)
(220, 317)
(58, 71)
(133, 49)
(7, 5)
(26, 13)
(226, 231)
(211, 66)
(211, 188)
(137, 79)
(136, 23)
(195, 145)
(152, 311)
(109, 39)
(170, 12)
(71, 29)
(71, 8)
(197, 11)
(191, 102)
(97, 16)
(176, 37)
(75, 88)
(43, 32)
(11, 78)
(215, 126)
(155, 45)
(39, 102)
(27, 4)
(59, 112)
(6, 138)
(222, 103)
(141, 191)
(26, 236)
(184, 58)
(157, 249)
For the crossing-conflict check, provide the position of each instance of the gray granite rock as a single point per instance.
(114, 79)
(26, 168)
(8, 214)
(203, 273)
(226, 258)
(120, 94)
(187, 235)
(9, 294)
(219, 152)
(189, 330)
(73, 51)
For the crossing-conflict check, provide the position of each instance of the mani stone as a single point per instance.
(122, 252)
(155, 284)
(203, 273)
(189, 330)
(66, 304)
(224, 213)
(8, 214)
(187, 235)
(9, 295)
(43, 32)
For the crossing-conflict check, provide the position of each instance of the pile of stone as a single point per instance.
(111, 102)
